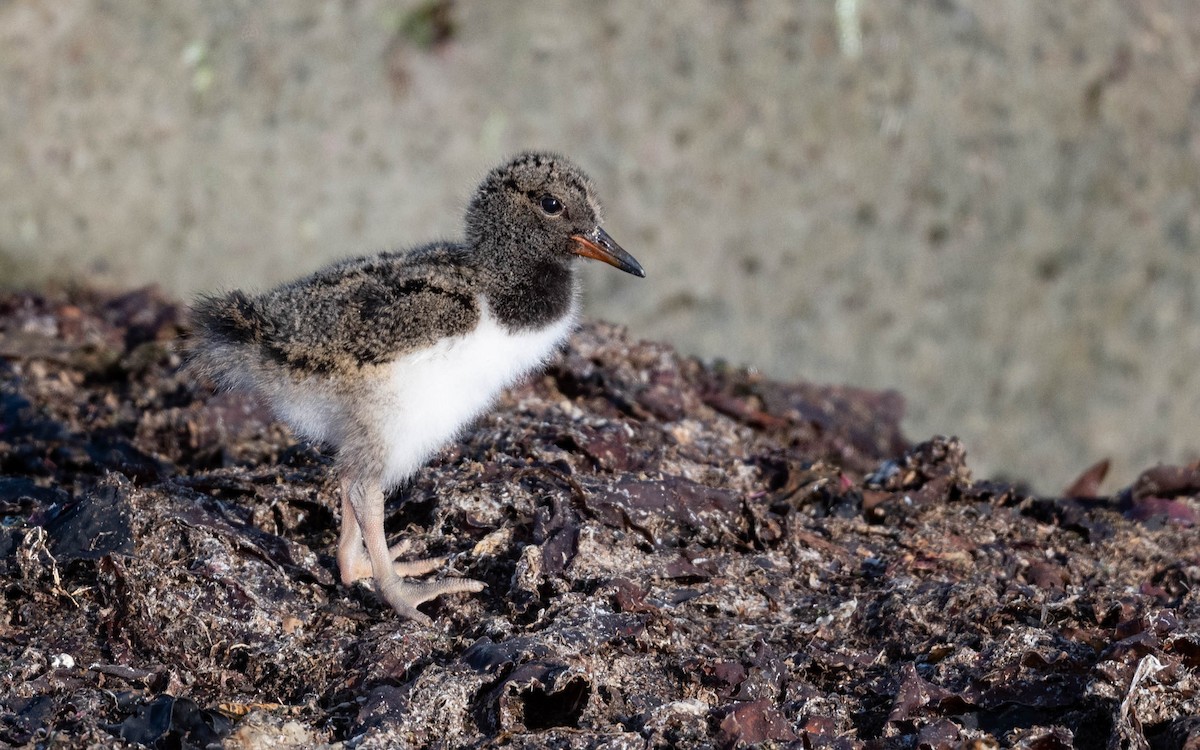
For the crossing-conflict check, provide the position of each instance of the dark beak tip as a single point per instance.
(629, 265)
(598, 245)
(625, 261)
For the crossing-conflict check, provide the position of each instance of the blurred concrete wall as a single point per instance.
(991, 205)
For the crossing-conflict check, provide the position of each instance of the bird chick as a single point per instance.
(386, 358)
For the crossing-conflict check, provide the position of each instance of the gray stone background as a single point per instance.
(991, 205)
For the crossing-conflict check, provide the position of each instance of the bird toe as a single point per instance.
(404, 596)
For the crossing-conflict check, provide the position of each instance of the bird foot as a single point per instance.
(360, 567)
(402, 594)
(405, 595)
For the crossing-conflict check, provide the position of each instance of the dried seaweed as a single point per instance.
(678, 554)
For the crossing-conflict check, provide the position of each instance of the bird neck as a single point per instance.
(529, 292)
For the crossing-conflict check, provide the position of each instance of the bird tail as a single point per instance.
(226, 331)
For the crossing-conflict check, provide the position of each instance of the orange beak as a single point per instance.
(597, 245)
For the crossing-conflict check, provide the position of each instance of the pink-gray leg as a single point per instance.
(363, 513)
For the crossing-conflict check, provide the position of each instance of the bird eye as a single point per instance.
(551, 205)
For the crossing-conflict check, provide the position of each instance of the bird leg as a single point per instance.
(353, 562)
(362, 521)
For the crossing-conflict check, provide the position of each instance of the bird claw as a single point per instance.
(404, 595)
(417, 567)
(358, 567)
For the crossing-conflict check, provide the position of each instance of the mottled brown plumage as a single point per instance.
(354, 312)
(386, 357)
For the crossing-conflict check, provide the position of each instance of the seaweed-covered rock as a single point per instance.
(677, 554)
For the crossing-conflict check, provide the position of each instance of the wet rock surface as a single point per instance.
(677, 554)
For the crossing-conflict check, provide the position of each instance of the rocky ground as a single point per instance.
(677, 554)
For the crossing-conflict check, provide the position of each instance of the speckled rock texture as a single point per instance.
(676, 554)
